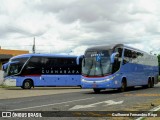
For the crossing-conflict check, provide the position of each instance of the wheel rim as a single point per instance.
(27, 85)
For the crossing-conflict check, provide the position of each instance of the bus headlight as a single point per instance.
(87, 81)
(82, 80)
(106, 80)
(101, 81)
(98, 81)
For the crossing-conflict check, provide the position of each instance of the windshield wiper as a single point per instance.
(101, 68)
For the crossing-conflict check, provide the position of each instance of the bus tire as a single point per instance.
(80, 86)
(123, 86)
(152, 84)
(27, 84)
(145, 86)
(96, 90)
(149, 83)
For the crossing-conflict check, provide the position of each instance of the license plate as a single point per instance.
(94, 85)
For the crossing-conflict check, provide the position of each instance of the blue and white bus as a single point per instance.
(31, 70)
(118, 67)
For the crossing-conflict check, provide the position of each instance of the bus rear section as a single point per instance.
(118, 67)
(44, 70)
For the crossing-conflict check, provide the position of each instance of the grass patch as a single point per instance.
(3, 86)
(159, 78)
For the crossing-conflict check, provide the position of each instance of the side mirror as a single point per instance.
(4, 66)
(83, 60)
(114, 56)
(79, 59)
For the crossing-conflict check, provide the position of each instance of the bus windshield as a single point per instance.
(97, 63)
(15, 66)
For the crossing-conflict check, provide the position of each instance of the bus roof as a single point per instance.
(112, 46)
(104, 47)
(45, 55)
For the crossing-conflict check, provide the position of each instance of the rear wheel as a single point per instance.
(152, 84)
(27, 84)
(149, 84)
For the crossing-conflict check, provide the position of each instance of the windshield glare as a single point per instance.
(96, 63)
(15, 66)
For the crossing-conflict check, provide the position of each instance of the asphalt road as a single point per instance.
(107, 100)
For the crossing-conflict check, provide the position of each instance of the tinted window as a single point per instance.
(127, 56)
(60, 66)
(131, 56)
(33, 66)
(58, 62)
(128, 53)
(50, 65)
(119, 50)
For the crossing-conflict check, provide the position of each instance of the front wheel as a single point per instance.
(27, 84)
(96, 90)
(123, 87)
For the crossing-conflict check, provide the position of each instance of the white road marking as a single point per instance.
(108, 102)
(111, 102)
(51, 104)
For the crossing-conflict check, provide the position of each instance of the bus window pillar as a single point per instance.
(115, 60)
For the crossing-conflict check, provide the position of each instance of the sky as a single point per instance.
(71, 26)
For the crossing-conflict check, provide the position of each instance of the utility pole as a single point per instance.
(33, 48)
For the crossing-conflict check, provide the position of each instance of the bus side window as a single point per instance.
(120, 52)
(127, 56)
(33, 66)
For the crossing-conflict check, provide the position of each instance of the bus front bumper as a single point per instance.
(98, 84)
(9, 82)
